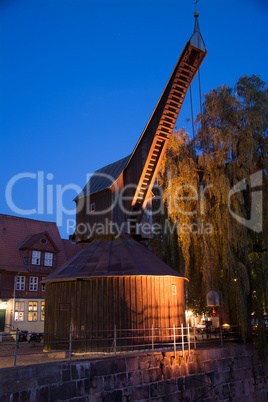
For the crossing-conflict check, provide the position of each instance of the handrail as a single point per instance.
(121, 340)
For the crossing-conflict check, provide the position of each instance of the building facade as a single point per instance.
(30, 250)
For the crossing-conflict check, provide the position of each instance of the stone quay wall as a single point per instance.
(238, 373)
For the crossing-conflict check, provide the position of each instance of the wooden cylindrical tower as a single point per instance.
(115, 282)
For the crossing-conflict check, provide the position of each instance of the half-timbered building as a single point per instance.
(30, 250)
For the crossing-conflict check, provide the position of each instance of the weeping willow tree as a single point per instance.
(207, 183)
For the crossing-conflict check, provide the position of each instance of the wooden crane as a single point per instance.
(97, 205)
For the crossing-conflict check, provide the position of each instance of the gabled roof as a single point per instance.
(31, 241)
(115, 256)
(15, 232)
(104, 177)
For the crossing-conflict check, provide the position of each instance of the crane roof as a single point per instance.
(110, 257)
(103, 178)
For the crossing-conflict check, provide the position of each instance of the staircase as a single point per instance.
(8, 337)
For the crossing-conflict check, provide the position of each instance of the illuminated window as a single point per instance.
(33, 283)
(19, 311)
(48, 259)
(32, 311)
(174, 290)
(36, 256)
(42, 311)
(20, 282)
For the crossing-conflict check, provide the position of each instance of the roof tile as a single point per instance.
(14, 231)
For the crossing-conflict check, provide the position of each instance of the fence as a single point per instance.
(77, 343)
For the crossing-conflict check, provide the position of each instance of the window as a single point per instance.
(92, 207)
(20, 283)
(174, 290)
(32, 311)
(33, 283)
(42, 311)
(19, 311)
(36, 256)
(43, 284)
(48, 259)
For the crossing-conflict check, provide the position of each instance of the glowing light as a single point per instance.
(188, 313)
(3, 306)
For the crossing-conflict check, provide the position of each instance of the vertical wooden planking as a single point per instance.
(121, 303)
(139, 304)
(100, 315)
(129, 302)
(84, 304)
(104, 310)
(150, 296)
(118, 309)
(121, 306)
(181, 300)
(166, 294)
(170, 312)
(150, 303)
(128, 306)
(78, 310)
(48, 326)
(144, 296)
(133, 303)
(137, 307)
(89, 323)
(161, 309)
(175, 299)
(95, 312)
(109, 309)
(115, 301)
(157, 308)
(153, 303)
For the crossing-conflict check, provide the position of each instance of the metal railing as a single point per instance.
(106, 342)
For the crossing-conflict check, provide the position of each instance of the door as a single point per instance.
(2, 320)
(63, 324)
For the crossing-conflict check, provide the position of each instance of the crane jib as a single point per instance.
(169, 106)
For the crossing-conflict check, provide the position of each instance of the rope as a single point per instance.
(194, 142)
(202, 135)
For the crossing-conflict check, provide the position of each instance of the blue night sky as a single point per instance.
(79, 80)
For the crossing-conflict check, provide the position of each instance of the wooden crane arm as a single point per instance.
(155, 137)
